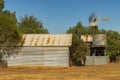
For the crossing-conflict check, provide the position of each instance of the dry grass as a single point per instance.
(103, 72)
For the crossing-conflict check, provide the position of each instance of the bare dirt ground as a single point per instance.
(110, 71)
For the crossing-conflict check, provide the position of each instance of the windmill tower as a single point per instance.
(99, 42)
(96, 54)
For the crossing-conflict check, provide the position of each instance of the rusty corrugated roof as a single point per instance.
(47, 39)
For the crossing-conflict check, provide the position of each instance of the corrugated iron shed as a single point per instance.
(43, 50)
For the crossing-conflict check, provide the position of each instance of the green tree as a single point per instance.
(30, 24)
(78, 51)
(79, 30)
(10, 36)
(7, 12)
(113, 47)
(1, 5)
(10, 14)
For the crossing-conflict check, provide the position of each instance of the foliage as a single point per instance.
(78, 30)
(7, 12)
(9, 36)
(1, 5)
(113, 47)
(78, 49)
(30, 24)
(10, 14)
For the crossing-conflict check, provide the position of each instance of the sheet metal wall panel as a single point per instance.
(99, 40)
(96, 60)
(44, 56)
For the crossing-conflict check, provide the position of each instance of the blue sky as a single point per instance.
(58, 15)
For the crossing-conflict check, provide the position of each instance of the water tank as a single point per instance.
(99, 40)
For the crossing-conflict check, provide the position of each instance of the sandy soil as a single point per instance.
(110, 71)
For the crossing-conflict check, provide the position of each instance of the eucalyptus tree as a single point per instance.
(78, 49)
(30, 24)
(10, 37)
(113, 41)
(7, 12)
(1, 5)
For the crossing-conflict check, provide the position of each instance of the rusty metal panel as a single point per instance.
(87, 38)
(43, 56)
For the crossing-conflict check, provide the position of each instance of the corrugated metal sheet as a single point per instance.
(96, 60)
(43, 56)
(99, 40)
(47, 40)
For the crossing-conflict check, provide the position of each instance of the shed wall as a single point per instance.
(96, 60)
(42, 56)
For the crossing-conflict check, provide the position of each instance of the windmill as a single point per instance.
(99, 40)
(93, 22)
(94, 19)
(97, 47)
